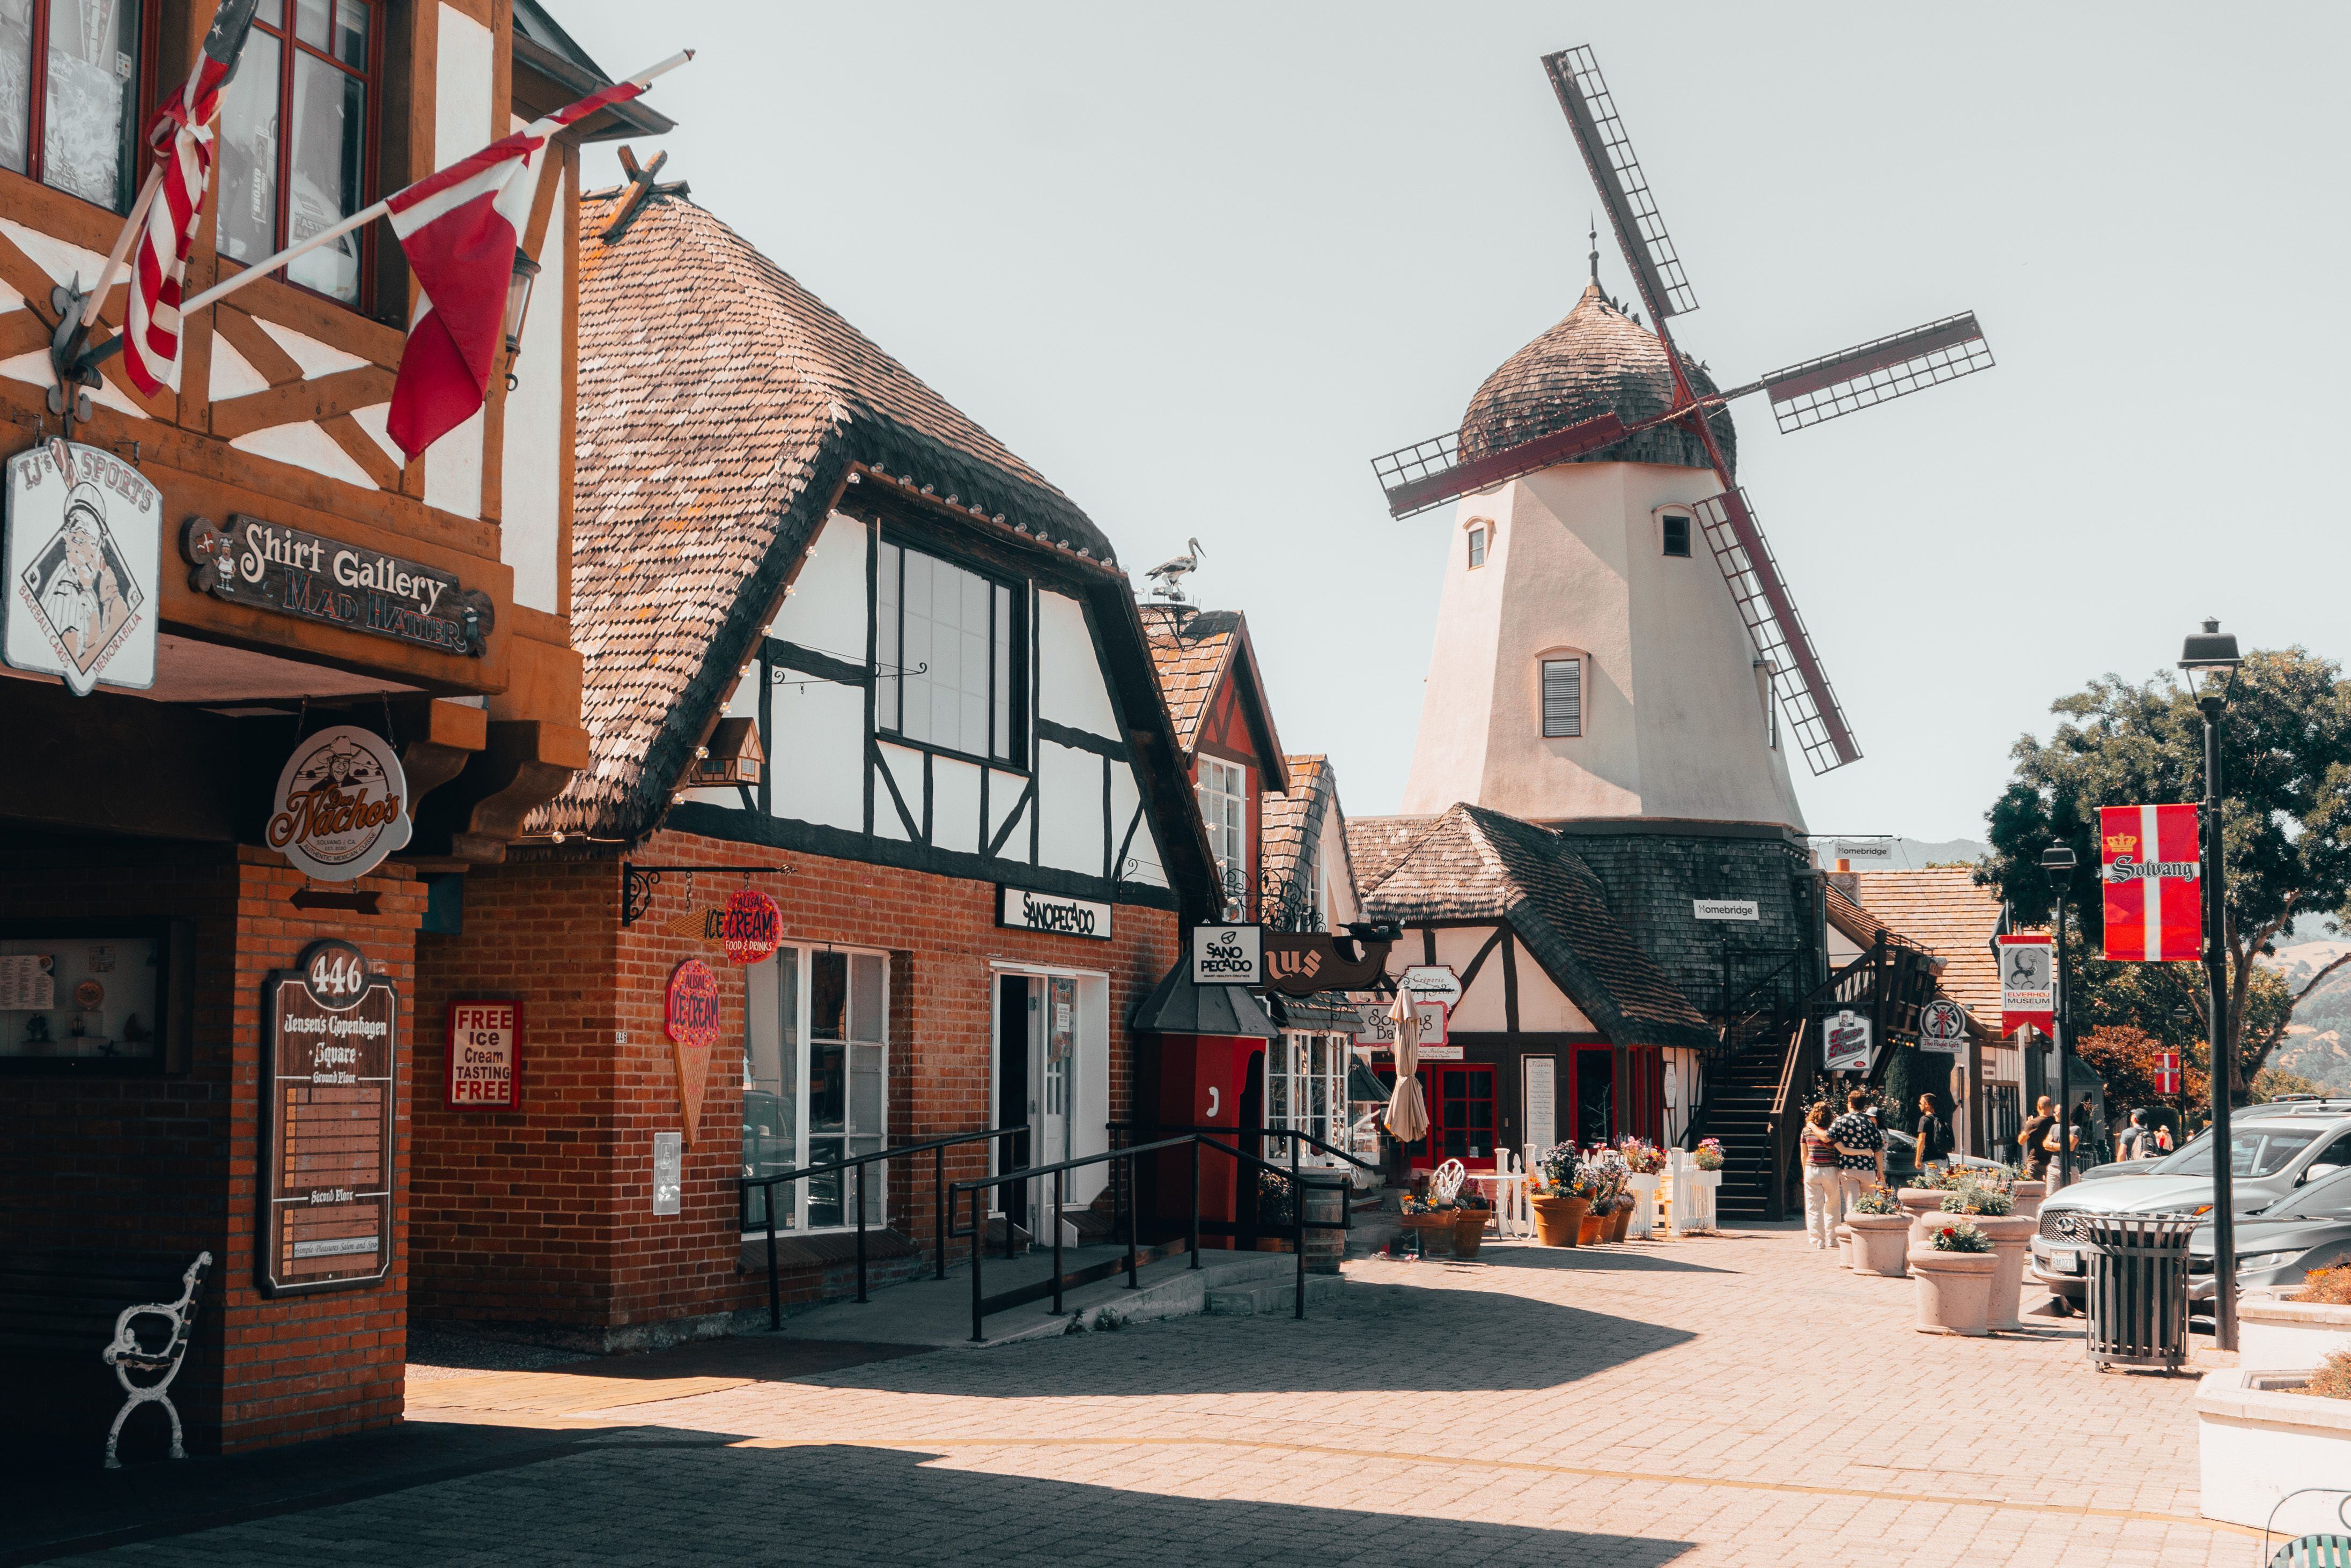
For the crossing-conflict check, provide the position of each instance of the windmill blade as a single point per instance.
(1430, 473)
(1780, 640)
(1877, 372)
(1632, 212)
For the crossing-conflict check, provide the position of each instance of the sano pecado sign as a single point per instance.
(299, 573)
(2153, 883)
(1024, 909)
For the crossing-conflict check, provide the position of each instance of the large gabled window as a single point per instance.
(1223, 805)
(298, 133)
(953, 651)
(73, 85)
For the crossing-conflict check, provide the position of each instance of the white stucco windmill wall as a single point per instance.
(1677, 723)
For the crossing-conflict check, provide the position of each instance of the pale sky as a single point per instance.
(1199, 263)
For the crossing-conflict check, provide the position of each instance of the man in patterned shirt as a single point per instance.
(1861, 1151)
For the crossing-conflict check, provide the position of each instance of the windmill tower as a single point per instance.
(1589, 665)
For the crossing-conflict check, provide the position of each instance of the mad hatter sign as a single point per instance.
(84, 547)
(341, 803)
(2154, 889)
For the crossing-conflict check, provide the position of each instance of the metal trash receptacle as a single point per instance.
(2139, 1288)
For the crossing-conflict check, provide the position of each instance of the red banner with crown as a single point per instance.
(2154, 892)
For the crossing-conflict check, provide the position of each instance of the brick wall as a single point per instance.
(168, 1163)
(542, 1219)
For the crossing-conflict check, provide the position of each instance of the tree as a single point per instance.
(2126, 1060)
(2285, 770)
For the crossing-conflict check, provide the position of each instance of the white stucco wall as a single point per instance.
(530, 467)
(461, 125)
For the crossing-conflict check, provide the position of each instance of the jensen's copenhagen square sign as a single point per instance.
(329, 1123)
(307, 574)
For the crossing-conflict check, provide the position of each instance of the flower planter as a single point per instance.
(1594, 1229)
(1704, 1184)
(1644, 1222)
(1881, 1244)
(2258, 1440)
(1918, 1202)
(2010, 1235)
(1954, 1289)
(1619, 1223)
(1558, 1220)
(2027, 1195)
(2290, 1334)
(1470, 1231)
(1436, 1232)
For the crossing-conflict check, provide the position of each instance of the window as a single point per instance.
(1677, 526)
(71, 85)
(1224, 803)
(952, 646)
(815, 1072)
(1306, 1088)
(295, 139)
(1562, 696)
(1771, 709)
(1477, 547)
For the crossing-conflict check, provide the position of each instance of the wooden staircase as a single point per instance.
(1741, 1089)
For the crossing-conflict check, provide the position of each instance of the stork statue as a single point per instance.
(1169, 575)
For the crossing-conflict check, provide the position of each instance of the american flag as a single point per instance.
(181, 133)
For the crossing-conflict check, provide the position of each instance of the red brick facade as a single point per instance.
(168, 1163)
(542, 1219)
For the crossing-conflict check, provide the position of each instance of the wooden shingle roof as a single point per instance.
(1944, 911)
(1190, 648)
(1472, 863)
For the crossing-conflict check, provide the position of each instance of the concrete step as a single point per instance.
(1271, 1297)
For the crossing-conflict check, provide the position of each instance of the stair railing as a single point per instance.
(1782, 1128)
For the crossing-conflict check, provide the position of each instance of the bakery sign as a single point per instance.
(297, 573)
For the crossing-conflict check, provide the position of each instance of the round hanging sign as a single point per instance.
(341, 805)
(751, 928)
(690, 1016)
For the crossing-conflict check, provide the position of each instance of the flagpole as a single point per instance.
(269, 264)
(130, 227)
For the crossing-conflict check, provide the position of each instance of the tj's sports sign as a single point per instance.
(2153, 894)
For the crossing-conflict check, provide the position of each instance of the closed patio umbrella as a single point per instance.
(1407, 1113)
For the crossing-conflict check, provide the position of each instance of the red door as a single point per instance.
(1460, 1116)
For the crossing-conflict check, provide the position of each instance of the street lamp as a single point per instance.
(2210, 659)
(518, 287)
(2058, 861)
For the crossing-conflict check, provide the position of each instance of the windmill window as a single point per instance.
(1477, 548)
(950, 646)
(1562, 696)
(1677, 533)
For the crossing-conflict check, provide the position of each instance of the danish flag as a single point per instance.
(460, 229)
(2154, 889)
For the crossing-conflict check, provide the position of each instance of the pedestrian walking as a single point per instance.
(2138, 1142)
(1937, 1142)
(2162, 1139)
(1861, 1152)
(1820, 1178)
(2039, 1139)
(2089, 1147)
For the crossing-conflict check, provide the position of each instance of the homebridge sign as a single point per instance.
(301, 574)
(1023, 910)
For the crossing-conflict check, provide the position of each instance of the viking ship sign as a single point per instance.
(84, 549)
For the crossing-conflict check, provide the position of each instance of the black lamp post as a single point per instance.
(2210, 659)
(2058, 861)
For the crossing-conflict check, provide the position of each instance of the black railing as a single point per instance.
(936, 1148)
(1125, 1221)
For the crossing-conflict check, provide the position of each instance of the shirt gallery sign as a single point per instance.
(1023, 910)
(322, 579)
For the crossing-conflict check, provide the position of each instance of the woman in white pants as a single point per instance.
(1823, 1188)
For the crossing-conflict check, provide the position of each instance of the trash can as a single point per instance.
(2139, 1288)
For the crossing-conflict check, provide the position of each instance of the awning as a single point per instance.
(1328, 1017)
(1176, 1006)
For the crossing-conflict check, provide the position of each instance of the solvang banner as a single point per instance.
(2153, 894)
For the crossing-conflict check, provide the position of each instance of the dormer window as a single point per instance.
(1563, 696)
(1477, 545)
(1676, 526)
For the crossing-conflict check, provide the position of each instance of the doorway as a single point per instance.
(1036, 1031)
(1596, 1098)
(1461, 1097)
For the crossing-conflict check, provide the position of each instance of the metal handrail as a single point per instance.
(982, 1304)
(1262, 1132)
(937, 1148)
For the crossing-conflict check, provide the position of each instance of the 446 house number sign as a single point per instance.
(328, 1081)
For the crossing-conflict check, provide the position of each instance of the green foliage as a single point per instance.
(1969, 1199)
(2275, 1083)
(1878, 1201)
(1960, 1238)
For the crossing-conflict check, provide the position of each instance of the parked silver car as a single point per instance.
(2309, 1228)
(2274, 1149)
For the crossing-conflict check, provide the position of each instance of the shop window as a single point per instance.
(1462, 1115)
(815, 1074)
(952, 646)
(1562, 696)
(72, 83)
(298, 140)
(1306, 1088)
(1676, 534)
(1224, 805)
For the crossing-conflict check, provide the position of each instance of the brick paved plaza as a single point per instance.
(1732, 1400)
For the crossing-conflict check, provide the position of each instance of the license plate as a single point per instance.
(2068, 1263)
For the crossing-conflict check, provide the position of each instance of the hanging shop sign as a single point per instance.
(1024, 909)
(84, 553)
(341, 805)
(2153, 883)
(1866, 849)
(308, 576)
(2028, 984)
(485, 1056)
(1942, 1026)
(328, 1130)
(1300, 963)
(1228, 955)
(691, 1019)
(751, 928)
(1725, 909)
(1845, 1043)
(1433, 982)
(1377, 1030)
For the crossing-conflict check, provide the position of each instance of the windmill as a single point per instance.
(1424, 475)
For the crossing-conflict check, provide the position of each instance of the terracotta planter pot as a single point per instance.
(1436, 1232)
(1917, 1203)
(1469, 1232)
(1881, 1244)
(1592, 1231)
(2029, 1195)
(2010, 1235)
(1559, 1220)
(1954, 1289)
(1619, 1223)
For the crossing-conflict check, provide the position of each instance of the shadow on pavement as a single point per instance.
(633, 1499)
(1622, 1260)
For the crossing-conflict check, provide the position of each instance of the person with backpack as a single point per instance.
(1936, 1140)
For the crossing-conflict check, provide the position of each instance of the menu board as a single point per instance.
(86, 995)
(327, 1128)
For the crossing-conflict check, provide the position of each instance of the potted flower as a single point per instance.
(2301, 1328)
(1922, 1198)
(1881, 1234)
(1646, 1163)
(1954, 1271)
(1558, 1207)
(1705, 1180)
(1470, 1212)
(1434, 1222)
(1992, 1212)
(2266, 1435)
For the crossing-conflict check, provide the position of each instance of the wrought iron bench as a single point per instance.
(59, 1303)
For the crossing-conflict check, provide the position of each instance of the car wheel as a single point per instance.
(2059, 1306)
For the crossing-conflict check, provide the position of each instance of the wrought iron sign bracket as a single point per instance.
(639, 883)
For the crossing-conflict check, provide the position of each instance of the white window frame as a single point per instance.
(902, 675)
(1543, 696)
(1479, 543)
(877, 1194)
(1296, 1062)
(1224, 792)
